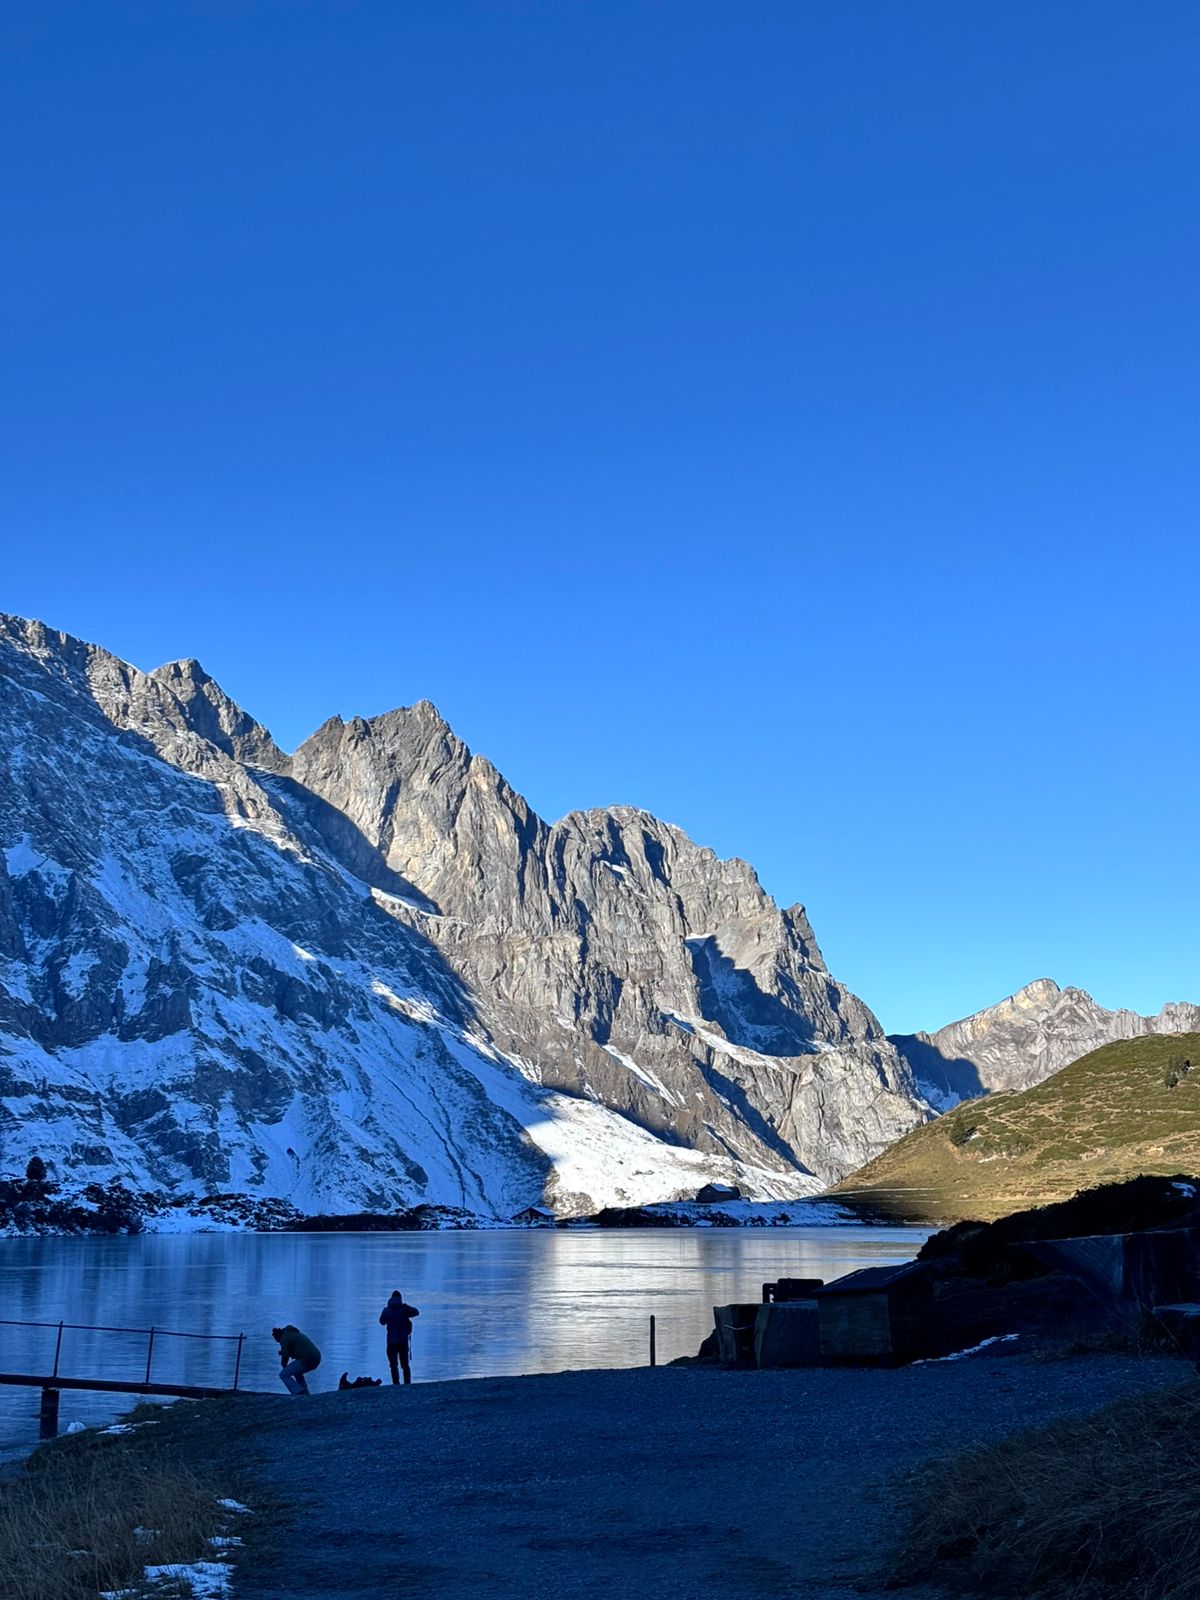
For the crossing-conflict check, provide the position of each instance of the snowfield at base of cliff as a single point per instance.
(367, 976)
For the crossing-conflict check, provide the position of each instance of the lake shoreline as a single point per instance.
(40, 1210)
(561, 1486)
(493, 1304)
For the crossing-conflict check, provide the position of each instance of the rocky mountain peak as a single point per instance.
(613, 934)
(426, 711)
(1041, 993)
(210, 712)
(372, 974)
(1024, 1039)
(186, 670)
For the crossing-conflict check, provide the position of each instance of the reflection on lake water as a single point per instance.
(491, 1303)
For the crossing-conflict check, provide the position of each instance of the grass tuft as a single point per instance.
(68, 1524)
(1095, 1508)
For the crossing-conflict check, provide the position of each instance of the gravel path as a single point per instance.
(675, 1484)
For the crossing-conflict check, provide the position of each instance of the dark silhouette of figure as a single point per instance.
(396, 1317)
(297, 1355)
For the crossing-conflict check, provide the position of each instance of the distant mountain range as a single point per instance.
(368, 975)
(1023, 1040)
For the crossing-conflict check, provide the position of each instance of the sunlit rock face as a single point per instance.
(369, 975)
(1024, 1039)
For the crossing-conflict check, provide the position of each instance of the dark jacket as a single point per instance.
(396, 1317)
(293, 1344)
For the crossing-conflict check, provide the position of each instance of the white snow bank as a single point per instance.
(208, 1580)
(961, 1355)
(22, 858)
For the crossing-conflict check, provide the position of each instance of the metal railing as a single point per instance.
(151, 1335)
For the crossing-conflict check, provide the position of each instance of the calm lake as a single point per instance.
(491, 1303)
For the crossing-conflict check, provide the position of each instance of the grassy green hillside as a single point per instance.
(1128, 1108)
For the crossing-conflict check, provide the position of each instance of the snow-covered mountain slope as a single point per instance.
(1025, 1038)
(369, 975)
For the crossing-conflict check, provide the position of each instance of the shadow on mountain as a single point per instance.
(949, 1075)
(751, 1115)
(747, 1014)
(308, 813)
(315, 822)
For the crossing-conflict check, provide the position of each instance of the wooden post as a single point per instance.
(48, 1415)
(149, 1354)
(237, 1365)
(653, 1345)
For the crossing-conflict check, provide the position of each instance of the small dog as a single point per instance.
(359, 1383)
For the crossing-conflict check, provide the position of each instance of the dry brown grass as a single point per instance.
(68, 1523)
(1116, 1113)
(1095, 1508)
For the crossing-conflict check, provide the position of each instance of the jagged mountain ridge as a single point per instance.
(1024, 1039)
(614, 935)
(369, 974)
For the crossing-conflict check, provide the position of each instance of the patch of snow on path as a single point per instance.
(961, 1355)
(208, 1580)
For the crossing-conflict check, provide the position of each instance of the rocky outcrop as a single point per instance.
(1024, 1039)
(369, 976)
(627, 962)
(214, 716)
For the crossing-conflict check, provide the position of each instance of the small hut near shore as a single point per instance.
(878, 1316)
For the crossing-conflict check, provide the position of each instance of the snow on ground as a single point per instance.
(23, 858)
(600, 1155)
(320, 1073)
(207, 1580)
(718, 1043)
(961, 1355)
(803, 1212)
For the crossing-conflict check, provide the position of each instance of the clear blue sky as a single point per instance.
(783, 416)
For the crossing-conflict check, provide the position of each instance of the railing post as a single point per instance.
(149, 1354)
(237, 1365)
(653, 1344)
(48, 1415)
(57, 1350)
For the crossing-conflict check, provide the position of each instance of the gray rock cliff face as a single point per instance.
(620, 957)
(1024, 1039)
(213, 715)
(370, 975)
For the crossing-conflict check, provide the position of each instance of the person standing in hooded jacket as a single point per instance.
(396, 1317)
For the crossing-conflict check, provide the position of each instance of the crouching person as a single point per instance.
(297, 1356)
